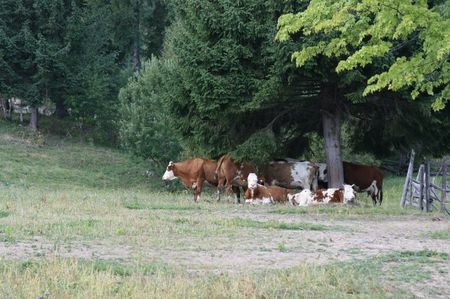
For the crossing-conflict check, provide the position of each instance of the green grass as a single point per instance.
(64, 278)
(75, 197)
(4, 214)
(443, 234)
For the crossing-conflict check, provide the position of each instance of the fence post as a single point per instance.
(408, 179)
(421, 182)
(444, 185)
(427, 186)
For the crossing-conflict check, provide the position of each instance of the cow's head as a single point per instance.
(349, 193)
(323, 172)
(252, 180)
(169, 175)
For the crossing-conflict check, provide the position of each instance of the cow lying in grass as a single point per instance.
(333, 195)
(259, 194)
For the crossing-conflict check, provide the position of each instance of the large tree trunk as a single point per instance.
(137, 33)
(34, 118)
(331, 121)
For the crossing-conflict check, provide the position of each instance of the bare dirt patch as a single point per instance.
(256, 248)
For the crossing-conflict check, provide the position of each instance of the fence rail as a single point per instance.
(422, 192)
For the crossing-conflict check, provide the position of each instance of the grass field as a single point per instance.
(79, 221)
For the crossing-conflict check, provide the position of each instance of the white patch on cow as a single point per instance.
(372, 189)
(260, 201)
(266, 201)
(252, 181)
(194, 185)
(349, 194)
(301, 174)
(168, 175)
(303, 198)
(291, 198)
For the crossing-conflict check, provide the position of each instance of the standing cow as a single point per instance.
(232, 175)
(193, 173)
(291, 174)
(366, 178)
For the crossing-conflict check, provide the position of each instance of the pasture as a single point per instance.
(79, 221)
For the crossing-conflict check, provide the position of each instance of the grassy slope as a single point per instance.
(63, 191)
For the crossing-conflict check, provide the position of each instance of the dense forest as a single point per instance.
(260, 79)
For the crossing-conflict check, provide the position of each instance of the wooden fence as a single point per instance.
(424, 192)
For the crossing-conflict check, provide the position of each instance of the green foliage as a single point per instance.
(32, 34)
(316, 151)
(358, 33)
(258, 148)
(144, 127)
(225, 86)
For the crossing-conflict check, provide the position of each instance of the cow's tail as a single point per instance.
(381, 195)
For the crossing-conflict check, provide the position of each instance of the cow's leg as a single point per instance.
(374, 198)
(197, 189)
(220, 185)
(237, 193)
(199, 186)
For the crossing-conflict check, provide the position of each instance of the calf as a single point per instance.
(333, 195)
(257, 193)
(292, 174)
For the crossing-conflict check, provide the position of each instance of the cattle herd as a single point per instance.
(300, 183)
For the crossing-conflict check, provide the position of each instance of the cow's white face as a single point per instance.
(349, 193)
(252, 180)
(168, 174)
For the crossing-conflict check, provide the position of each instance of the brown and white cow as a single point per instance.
(231, 174)
(260, 194)
(366, 178)
(333, 195)
(193, 173)
(291, 174)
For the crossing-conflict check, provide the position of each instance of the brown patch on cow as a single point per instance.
(230, 173)
(277, 173)
(336, 197)
(259, 193)
(279, 194)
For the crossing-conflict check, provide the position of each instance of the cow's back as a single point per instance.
(362, 175)
(279, 194)
(291, 174)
